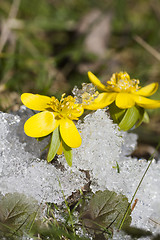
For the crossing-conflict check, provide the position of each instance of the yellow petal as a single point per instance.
(41, 124)
(103, 100)
(60, 150)
(148, 90)
(146, 102)
(96, 82)
(77, 111)
(125, 100)
(35, 101)
(69, 133)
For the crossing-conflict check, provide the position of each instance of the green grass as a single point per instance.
(44, 51)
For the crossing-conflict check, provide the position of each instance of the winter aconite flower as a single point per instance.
(57, 117)
(124, 91)
(125, 98)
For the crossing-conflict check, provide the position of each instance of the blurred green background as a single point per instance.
(47, 46)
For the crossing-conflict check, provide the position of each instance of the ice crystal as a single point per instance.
(86, 94)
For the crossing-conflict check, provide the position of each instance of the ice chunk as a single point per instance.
(130, 143)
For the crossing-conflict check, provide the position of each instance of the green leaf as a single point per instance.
(145, 117)
(106, 209)
(54, 230)
(116, 113)
(117, 167)
(41, 138)
(54, 145)
(67, 153)
(130, 117)
(127, 118)
(17, 212)
(141, 116)
(135, 232)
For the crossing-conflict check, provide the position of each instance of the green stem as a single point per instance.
(128, 208)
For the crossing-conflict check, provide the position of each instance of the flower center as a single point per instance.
(66, 107)
(121, 82)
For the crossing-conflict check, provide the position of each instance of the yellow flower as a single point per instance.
(53, 114)
(124, 91)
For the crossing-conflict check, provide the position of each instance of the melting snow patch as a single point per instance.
(24, 169)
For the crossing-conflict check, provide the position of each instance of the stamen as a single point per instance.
(66, 107)
(122, 82)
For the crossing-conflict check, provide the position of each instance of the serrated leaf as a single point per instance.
(54, 145)
(106, 209)
(67, 153)
(16, 212)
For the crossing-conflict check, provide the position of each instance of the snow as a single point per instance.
(24, 169)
